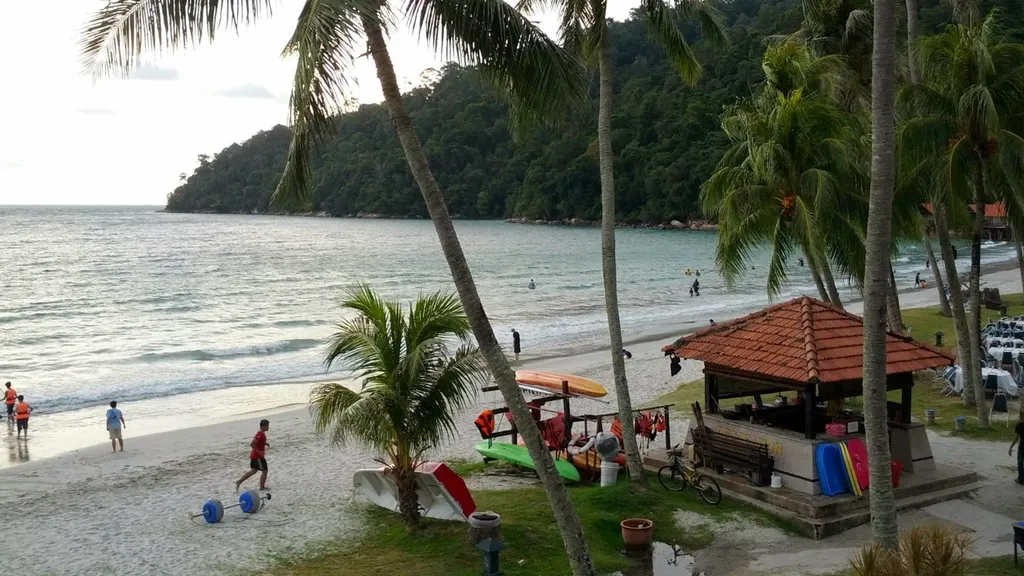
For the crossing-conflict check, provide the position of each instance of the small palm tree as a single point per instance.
(412, 382)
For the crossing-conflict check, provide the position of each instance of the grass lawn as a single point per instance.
(528, 529)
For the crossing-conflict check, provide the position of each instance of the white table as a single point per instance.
(997, 352)
(1003, 380)
(1005, 342)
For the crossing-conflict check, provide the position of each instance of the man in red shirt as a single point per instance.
(257, 457)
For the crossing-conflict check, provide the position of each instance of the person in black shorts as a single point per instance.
(257, 457)
(1019, 439)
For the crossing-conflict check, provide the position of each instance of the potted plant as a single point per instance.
(637, 533)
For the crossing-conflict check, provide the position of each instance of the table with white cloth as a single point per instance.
(1003, 380)
(1007, 342)
(997, 352)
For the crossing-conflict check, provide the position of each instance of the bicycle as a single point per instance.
(678, 473)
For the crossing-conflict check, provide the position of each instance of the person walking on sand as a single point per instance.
(115, 422)
(515, 343)
(10, 399)
(21, 413)
(1018, 440)
(257, 457)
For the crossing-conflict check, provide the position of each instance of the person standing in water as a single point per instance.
(696, 287)
(115, 422)
(21, 413)
(515, 343)
(532, 285)
(10, 399)
(258, 456)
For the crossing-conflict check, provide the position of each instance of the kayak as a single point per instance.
(442, 493)
(519, 456)
(578, 385)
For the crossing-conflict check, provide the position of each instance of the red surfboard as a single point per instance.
(859, 456)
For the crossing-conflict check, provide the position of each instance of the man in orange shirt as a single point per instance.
(10, 397)
(21, 412)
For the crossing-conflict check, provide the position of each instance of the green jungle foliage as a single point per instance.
(667, 138)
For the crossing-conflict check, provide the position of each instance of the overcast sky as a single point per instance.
(67, 138)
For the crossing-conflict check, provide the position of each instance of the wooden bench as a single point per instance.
(719, 451)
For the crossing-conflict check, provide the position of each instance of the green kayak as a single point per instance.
(520, 456)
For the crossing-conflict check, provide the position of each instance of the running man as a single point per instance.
(115, 422)
(21, 412)
(10, 399)
(257, 458)
(515, 343)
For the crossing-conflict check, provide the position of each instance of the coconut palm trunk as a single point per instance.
(818, 282)
(1020, 259)
(939, 284)
(969, 360)
(892, 305)
(876, 275)
(974, 325)
(611, 296)
(561, 505)
(830, 283)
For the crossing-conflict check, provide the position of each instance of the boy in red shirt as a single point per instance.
(257, 457)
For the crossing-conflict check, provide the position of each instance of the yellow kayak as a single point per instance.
(578, 385)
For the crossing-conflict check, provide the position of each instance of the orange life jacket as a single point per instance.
(485, 423)
(11, 396)
(21, 411)
(617, 427)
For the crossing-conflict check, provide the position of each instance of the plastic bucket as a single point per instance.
(609, 473)
(929, 415)
(776, 481)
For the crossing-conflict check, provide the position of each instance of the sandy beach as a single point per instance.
(88, 511)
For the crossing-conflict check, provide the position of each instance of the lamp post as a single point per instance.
(491, 547)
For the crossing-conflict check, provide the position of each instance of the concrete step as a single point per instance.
(819, 528)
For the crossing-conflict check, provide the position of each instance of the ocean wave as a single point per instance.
(203, 354)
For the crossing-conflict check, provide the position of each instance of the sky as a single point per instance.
(72, 138)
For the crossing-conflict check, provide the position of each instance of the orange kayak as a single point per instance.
(578, 385)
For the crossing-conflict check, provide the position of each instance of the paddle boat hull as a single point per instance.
(441, 492)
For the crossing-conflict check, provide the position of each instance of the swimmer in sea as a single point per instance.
(532, 285)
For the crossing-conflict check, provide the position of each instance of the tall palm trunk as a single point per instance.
(611, 295)
(939, 285)
(969, 358)
(813, 265)
(876, 274)
(915, 78)
(830, 283)
(1020, 265)
(974, 327)
(892, 305)
(564, 511)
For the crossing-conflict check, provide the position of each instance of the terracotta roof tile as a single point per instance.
(803, 340)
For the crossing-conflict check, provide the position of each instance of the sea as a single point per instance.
(176, 315)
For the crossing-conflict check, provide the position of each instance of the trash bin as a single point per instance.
(929, 415)
(483, 525)
(960, 424)
(897, 471)
(609, 473)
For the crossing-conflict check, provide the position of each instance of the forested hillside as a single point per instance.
(666, 135)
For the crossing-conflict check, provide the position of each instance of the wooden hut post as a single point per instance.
(668, 432)
(565, 412)
(809, 403)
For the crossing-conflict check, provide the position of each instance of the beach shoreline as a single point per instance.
(92, 509)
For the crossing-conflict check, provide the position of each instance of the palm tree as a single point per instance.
(537, 75)
(412, 382)
(876, 273)
(584, 28)
(794, 171)
(967, 112)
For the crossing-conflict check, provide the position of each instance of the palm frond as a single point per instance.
(666, 34)
(708, 19)
(542, 81)
(326, 40)
(121, 32)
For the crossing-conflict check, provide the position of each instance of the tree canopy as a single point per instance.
(667, 133)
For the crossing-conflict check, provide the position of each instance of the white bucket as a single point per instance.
(776, 481)
(609, 473)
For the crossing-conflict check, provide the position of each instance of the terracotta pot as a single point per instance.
(637, 533)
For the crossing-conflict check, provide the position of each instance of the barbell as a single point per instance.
(249, 502)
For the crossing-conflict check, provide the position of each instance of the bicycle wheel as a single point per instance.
(709, 489)
(671, 478)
